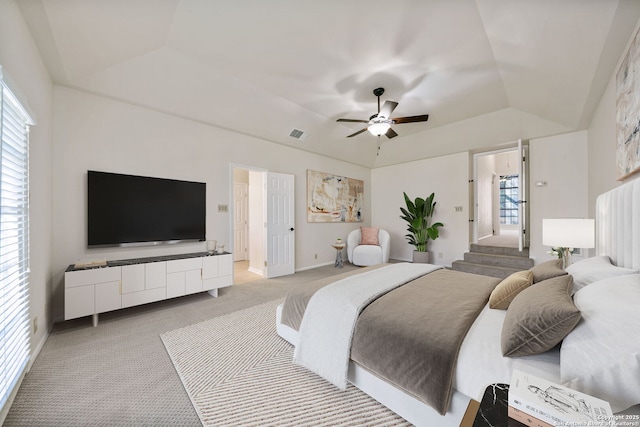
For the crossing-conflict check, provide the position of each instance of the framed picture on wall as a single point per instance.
(333, 198)
(628, 112)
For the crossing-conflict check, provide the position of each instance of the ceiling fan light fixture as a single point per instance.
(379, 128)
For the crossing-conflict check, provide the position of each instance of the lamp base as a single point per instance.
(566, 258)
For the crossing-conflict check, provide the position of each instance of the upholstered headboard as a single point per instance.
(618, 225)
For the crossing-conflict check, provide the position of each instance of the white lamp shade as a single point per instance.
(568, 232)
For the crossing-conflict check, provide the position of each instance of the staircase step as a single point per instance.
(494, 260)
(493, 271)
(499, 250)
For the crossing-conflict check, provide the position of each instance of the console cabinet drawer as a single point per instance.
(91, 277)
(184, 265)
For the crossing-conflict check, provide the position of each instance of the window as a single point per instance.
(509, 199)
(14, 240)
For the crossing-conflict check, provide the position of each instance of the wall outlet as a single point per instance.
(439, 254)
(458, 208)
(316, 256)
(35, 325)
(223, 208)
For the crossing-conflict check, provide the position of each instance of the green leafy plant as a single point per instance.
(418, 215)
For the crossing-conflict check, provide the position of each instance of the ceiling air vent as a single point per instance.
(298, 134)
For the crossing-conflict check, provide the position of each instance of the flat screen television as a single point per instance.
(128, 210)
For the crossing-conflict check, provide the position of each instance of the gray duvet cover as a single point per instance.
(410, 337)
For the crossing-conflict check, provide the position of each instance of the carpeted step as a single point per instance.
(509, 261)
(485, 270)
(499, 250)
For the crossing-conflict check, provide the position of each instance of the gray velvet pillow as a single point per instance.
(547, 270)
(539, 317)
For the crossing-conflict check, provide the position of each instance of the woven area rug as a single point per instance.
(239, 372)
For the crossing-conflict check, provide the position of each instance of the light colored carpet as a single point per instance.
(507, 238)
(119, 374)
(239, 372)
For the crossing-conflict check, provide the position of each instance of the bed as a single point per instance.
(591, 346)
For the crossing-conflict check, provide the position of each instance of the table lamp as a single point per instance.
(565, 234)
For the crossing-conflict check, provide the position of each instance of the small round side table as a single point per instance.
(338, 247)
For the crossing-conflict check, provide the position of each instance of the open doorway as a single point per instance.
(500, 209)
(263, 223)
(247, 214)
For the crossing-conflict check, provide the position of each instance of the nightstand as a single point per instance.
(492, 410)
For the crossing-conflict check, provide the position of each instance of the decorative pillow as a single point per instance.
(547, 270)
(591, 270)
(369, 236)
(507, 290)
(601, 356)
(539, 317)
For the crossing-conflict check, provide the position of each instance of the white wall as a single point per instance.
(93, 132)
(19, 57)
(448, 178)
(561, 162)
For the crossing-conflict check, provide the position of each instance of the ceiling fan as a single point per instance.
(380, 123)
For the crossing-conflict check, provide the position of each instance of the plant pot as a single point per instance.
(421, 257)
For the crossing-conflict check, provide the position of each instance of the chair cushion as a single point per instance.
(365, 255)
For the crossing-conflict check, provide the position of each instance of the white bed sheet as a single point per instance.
(480, 361)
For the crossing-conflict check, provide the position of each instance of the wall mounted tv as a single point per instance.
(128, 210)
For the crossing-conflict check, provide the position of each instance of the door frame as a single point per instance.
(231, 206)
(516, 146)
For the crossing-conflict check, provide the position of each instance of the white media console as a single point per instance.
(127, 283)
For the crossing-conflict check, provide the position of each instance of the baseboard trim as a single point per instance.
(311, 267)
(255, 271)
(37, 350)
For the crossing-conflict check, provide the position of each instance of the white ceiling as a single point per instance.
(486, 71)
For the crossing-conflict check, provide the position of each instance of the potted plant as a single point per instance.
(418, 215)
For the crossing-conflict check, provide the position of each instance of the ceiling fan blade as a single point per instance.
(411, 119)
(352, 121)
(391, 133)
(357, 133)
(387, 109)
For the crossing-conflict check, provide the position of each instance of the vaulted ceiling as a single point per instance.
(486, 71)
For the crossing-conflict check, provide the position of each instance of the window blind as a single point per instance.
(14, 241)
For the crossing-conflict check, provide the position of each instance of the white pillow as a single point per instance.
(601, 356)
(593, 269)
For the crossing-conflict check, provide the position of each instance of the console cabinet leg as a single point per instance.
(213, 293)
(95, 319)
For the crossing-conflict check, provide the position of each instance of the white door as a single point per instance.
(240, 220)
(280, 225)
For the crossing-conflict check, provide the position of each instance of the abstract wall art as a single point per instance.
(333, 198)
(628, 112)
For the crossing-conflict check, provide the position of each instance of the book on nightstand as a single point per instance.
(537, 402)
(524, 418)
